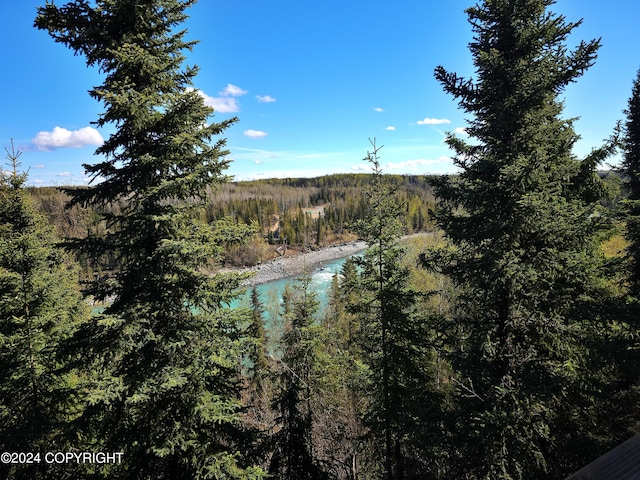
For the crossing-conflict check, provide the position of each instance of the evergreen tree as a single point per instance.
(340, 433)
(394, 338)
(524, 258)
(630, 167)
(320, 231)
(258, 338)
(168, 394)
(344, 294)
(40, 306)
(257, 368)
(619, 345)
(258, 391)
(293, 457)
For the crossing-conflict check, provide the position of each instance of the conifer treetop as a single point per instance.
(163, 144)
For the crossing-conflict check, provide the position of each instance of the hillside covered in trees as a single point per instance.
(503, 344)
(297, 213)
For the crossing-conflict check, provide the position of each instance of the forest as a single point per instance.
(500, 343)
(301, 213)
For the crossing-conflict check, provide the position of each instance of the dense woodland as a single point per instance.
(501, 344)
(301, 214)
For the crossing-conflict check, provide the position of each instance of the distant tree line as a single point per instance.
(280, 210)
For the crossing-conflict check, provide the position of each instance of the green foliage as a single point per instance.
(524, 255)
(630, 168)
(270, 208)
(340, 196)
(394, 337)
(339, 437)
(619, 344)
(167, 392)
(40, 307)
(256, 332)
(257, 372)
(498, 362)
(293, 456)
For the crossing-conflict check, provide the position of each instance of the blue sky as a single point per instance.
(310, 81)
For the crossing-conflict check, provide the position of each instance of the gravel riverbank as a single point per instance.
(283, 267)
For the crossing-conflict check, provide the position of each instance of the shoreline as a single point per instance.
(291, 266)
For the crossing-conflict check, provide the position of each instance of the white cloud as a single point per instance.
(39, 166)
(361, 168)
(255, 133)
(63, 138)
(233, 91)
(378, 109)
(433, 121)
(391, 128)
(417, 163)
(265, 98)
(224, 105)
(220, 105)
(64, 174)
(460, 131)
(257, 162)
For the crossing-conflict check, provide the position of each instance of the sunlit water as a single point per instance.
(271, 292)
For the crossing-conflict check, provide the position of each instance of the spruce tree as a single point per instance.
(257, 369)
(40, 307)
(630, 168)
(339, 431)
(257, 354)
(524, 256)
(168, 390)
(393, 337)
(621, 346)
(293, 450)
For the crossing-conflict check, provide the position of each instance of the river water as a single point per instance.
(271, 292)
